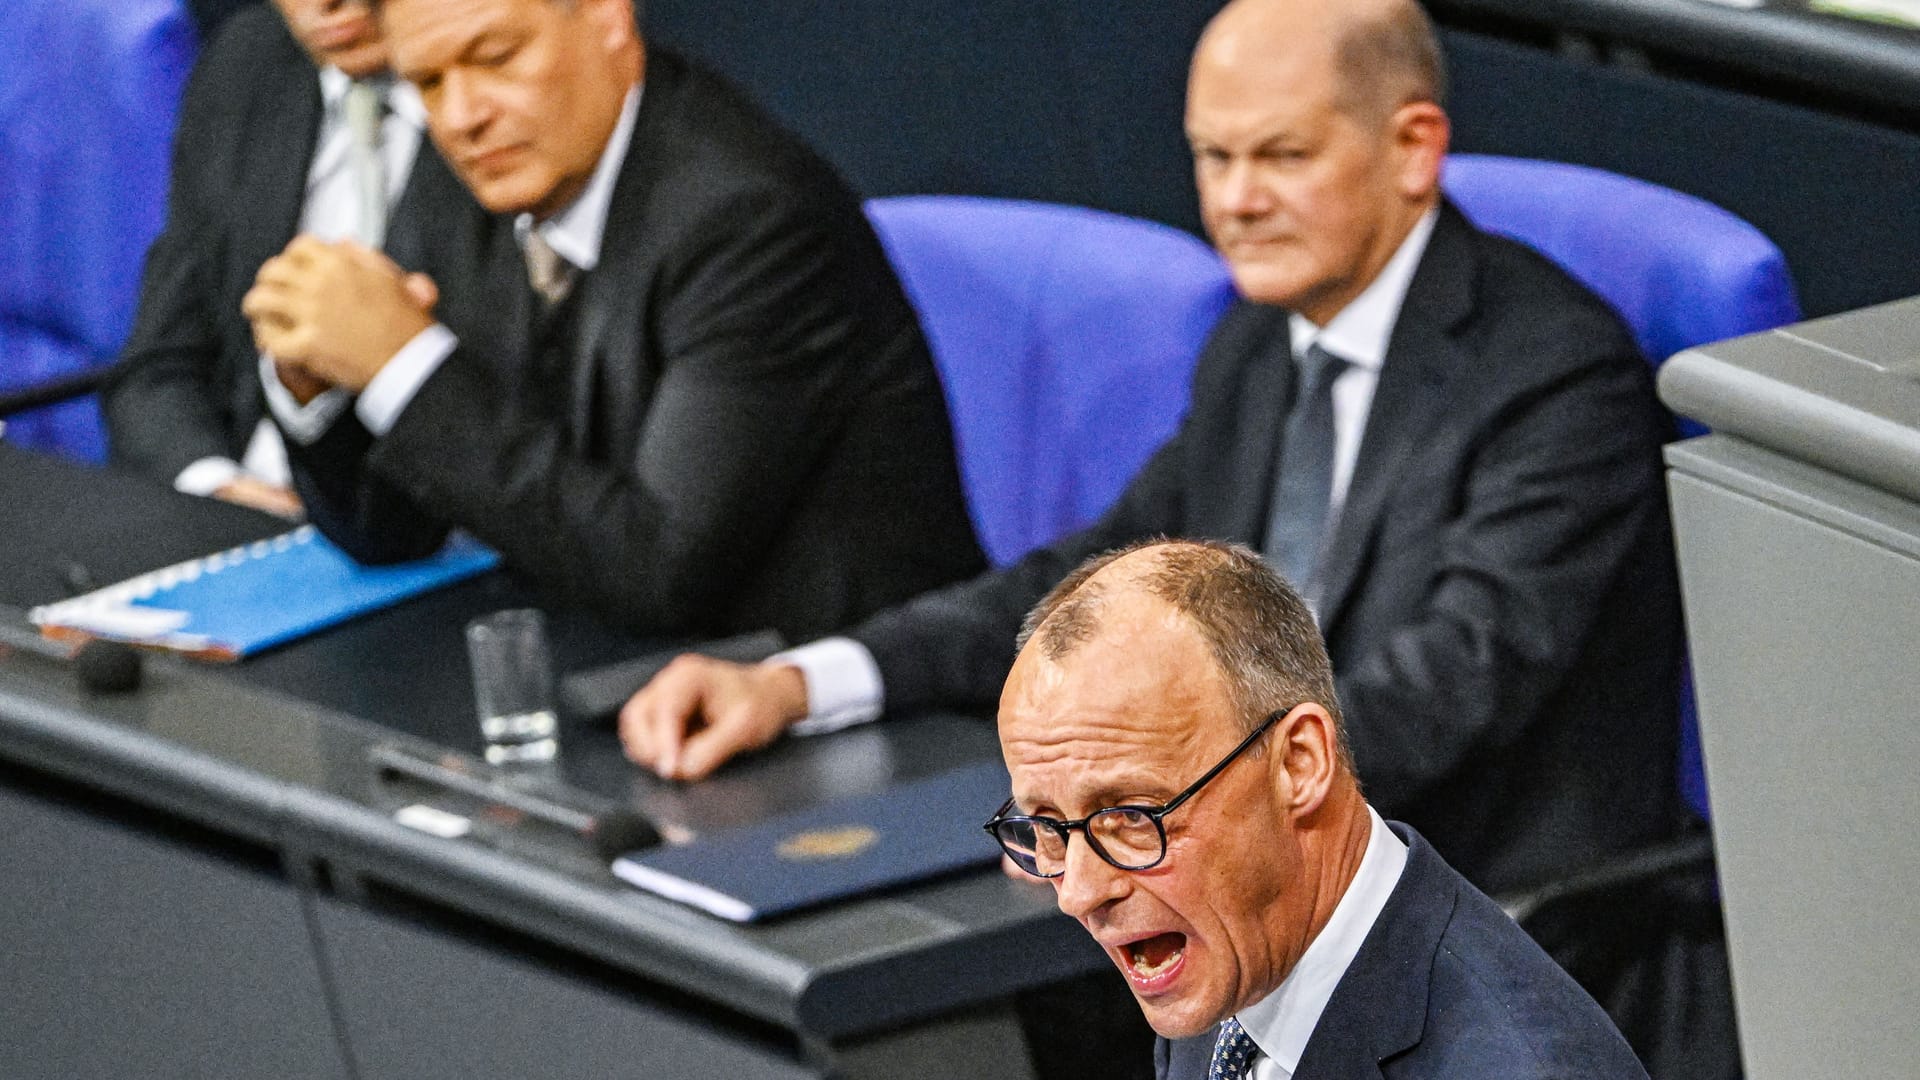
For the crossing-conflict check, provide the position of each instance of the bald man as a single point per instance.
(1451, 446)
(1180, 777)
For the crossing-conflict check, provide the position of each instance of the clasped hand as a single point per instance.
(333, 314)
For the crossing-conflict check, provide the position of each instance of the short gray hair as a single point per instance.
(1389, 61)
(1258, 629)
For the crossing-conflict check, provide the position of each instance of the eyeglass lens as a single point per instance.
(1124, 836)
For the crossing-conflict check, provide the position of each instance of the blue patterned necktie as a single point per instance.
(1233, 1052)
(1303, 485)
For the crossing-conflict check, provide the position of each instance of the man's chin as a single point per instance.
(1170, 1020)
(1265, 283)
(508, 194)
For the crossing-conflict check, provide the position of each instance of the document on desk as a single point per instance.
(842, 849)
(237, 602)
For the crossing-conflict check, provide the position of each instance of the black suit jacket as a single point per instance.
(1445, 987)
(1499, 597)
(745, 429)
(190, 387)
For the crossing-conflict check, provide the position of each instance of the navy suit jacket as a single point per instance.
(1445, 987)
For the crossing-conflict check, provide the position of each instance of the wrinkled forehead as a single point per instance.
(1258, 93)
(436, 33)
(1143, 698)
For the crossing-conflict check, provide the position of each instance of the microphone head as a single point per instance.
(107, 667)
(617, 832)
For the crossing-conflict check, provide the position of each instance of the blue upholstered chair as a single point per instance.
(1065, 338)
(1681, 271)
(88, 92)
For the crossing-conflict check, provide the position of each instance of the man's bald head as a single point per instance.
(1257, 629)
(1384, 53)
(1317, 140)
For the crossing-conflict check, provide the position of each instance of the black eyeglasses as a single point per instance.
(1128, 837)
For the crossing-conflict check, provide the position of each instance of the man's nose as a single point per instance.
(461, 108)
(1242, 191)
(1089, 882)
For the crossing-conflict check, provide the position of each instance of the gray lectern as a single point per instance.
(1798, 525)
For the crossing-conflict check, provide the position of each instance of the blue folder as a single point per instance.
(840, 849)
(237, 602)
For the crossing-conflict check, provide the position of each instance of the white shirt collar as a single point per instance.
(1360, 332)
(577, 231)
(1283, 1021)
(403, 100)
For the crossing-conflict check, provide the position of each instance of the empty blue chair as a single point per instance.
(1681, 271)
(88, 92)
(1065, 339)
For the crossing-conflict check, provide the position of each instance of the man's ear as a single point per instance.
(614, 20)
(1304, 748)
(1421, 133)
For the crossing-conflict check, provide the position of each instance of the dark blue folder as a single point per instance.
(894, 837)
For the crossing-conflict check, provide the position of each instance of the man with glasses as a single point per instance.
(1268, 921)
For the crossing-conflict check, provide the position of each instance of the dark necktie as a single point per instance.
(1233, 1052)
(1297, 520)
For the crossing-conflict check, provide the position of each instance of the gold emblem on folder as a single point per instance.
(818, 844)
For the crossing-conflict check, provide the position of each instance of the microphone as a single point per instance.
(607, 831)
(101, 667)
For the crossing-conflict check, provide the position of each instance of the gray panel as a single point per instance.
(418, 1004)
(1842, 392)
(126, 955)
(1803, 638)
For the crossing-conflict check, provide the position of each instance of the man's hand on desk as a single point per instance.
(335, 312)
(699, 712)
(251, 492)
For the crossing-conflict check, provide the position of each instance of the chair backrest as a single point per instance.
(1681, 271)
(1065, 339)
(88, 93)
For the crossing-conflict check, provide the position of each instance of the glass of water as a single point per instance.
(513, 686)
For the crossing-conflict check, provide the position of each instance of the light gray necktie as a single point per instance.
(1303, 486)
(1233, 1052)
(549, 272)
(364, 107)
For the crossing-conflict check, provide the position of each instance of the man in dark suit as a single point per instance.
(1178, 774)
(266, 148)
(704, 404)
(1473, 499)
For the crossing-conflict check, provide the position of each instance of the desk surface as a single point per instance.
(276, 749)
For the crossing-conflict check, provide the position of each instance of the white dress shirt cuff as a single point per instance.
(843, 684)
(392, 388)
(302, 423)
(206, 476)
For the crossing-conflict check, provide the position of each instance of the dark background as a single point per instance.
(1805, 125)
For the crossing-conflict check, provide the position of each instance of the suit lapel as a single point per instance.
(606, 343)
(1264, 391)
(1379, 1008)
(1421, 355)
(283, 128)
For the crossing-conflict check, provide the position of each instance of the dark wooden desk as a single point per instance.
(205, 878)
